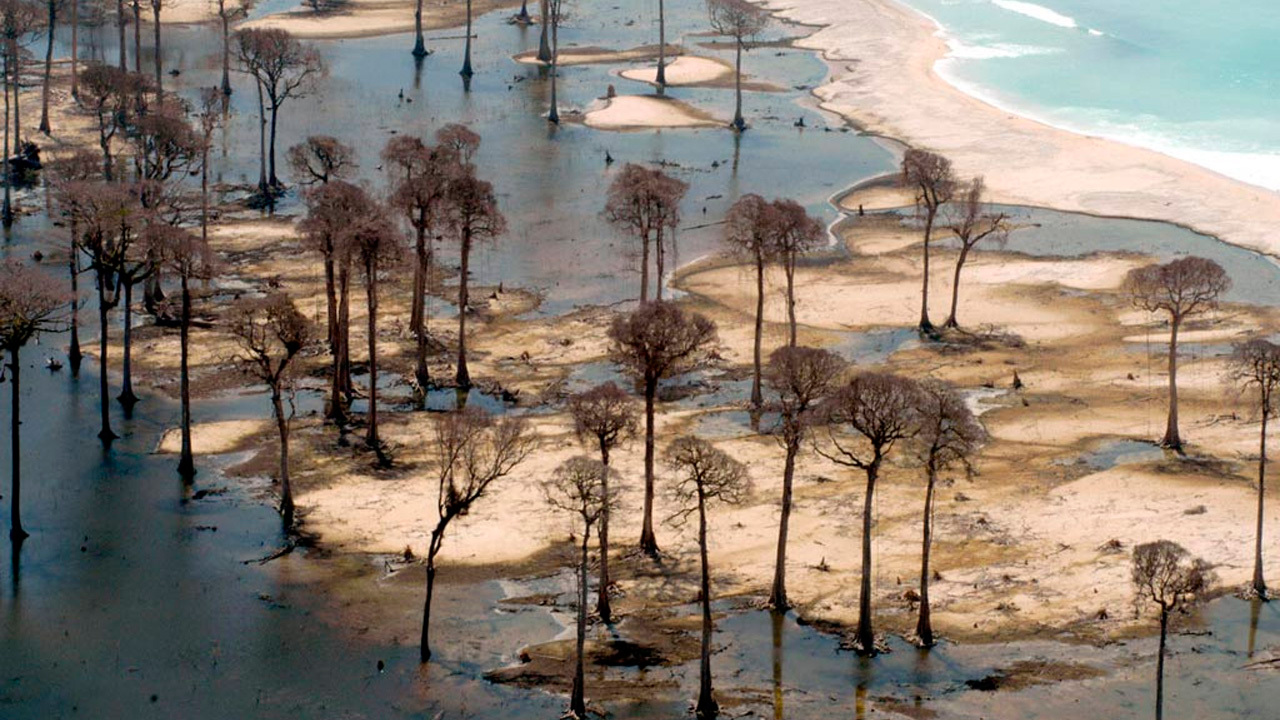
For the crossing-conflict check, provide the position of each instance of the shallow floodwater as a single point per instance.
(134, 599)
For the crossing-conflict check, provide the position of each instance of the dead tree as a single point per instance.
(707, 475)
(66, 176)
(801, 378)
(577, 487)
(109, 93)
(741, 21)
(30, 305)
(376, 245)
(473, 216)
(228, 12)
(949, 436)
(190, 258)
(646, 204)
(864, 420)
(1165, 574)
(797, 233)
(156, 7)
(606, 417)
(656, 341)
(473, 450)
(282, 68)
(51, 27)
(750, 231)
(1256, 364)
(929, 176)
(972, 222)
(321, 158)
(1182, 288)
(271, 332)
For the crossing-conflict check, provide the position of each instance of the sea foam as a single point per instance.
(1039, 12)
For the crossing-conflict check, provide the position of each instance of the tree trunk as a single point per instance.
(544, 43)
(226, 49)
(271, 147)
(127, 398)
(790, 269)
(105, 434)
(577, 698)
(137, 36)
(282, 424)
(424, 645)
(262, 141)
(554, 115)
(155, 12)
(707, 706)
(1164, 632)
(738, 123)
(16, 61)
(419, 45)
(955, 289)
(603, 608)
(778, 596)
(120, 22)
(1171, 438)
(16, 533)
(757, 396)
(331, 297)
(644, 267)
(463, 377)
(7, 212)
(924, 627)
(1259, 583)
(73, 265)
(418, 322)
(75, 49)
(659, 262)
(186, 464)
(371, 295)
(865, 637)
(648, 541)
(776, 621)
(340, 391)
(48, 66)
(466, 53)
(662, 47)
(925, 325)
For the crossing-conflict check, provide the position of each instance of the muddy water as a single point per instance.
(133, 598)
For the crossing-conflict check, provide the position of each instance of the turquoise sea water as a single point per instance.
(1196, 79)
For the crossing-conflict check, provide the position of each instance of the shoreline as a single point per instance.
(875, 48)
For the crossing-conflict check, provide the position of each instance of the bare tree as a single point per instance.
(473, 215)
(473, 450)
(864, 420)
(1182, 288)
(577, 486)
(797, 233)
(949, 436)
(156, 7)
(741, 21)
(228, 12)
(283, 68)
(30, 304)
(930, 177)
(212, 104)
(50, 30)
(801, 377)
(190, 258)
(108, 92)
(972, 222)
(1164, 573)
(75, 49)
(605, 416)
(707, 475)
(553, 17)
(271, 332)
(646, 204)
(750, 230)
(656, 341)
(377, 246)
(67, 175)
(1256, 364)
(321, 158)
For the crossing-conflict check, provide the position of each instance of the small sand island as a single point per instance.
(637, 112)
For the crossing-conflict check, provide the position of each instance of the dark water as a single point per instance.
(126, 602)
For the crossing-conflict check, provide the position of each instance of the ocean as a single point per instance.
(1195, 79)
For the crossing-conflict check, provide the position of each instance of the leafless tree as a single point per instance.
(30, 304)
(271, 332)
(929, 176)
(865, 419)
(190, 258)
(321, 158)
(67, 174)
(646, 204)
(741, 21)
(51, 26)
(553, 18)
(110, 94)
(75, 48)
(797, 233)
(801, 377)
(156, 7)
(473, 450)
(228, 12)
(949, 436)
(283, 68)
(1182, 288)
(1256, 364)
(472, 215)
(377, 246)
(656, 341)
(971, 222)
(1165, 574)
(577, 487)
(707, 475)
(750, 230)
(603, 416)
(212, 104)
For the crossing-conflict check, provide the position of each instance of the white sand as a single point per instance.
(685, 70)
(640, 112)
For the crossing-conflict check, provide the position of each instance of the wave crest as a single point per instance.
(1038, 12)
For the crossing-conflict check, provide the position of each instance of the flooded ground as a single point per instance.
(134, 598)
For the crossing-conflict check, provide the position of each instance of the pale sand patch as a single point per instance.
(882, 55)
(643, 112)
(598, 55)
(370, 18)
(213, 438)
(686, 70)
